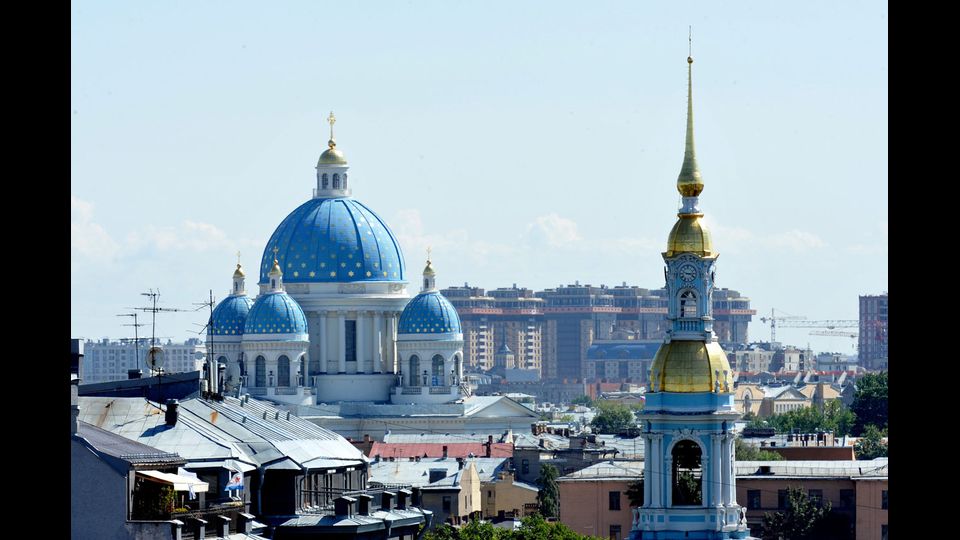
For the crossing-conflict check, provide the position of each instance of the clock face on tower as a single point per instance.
(687, 273)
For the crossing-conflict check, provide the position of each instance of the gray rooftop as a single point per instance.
(417, 473)
(120, 447)
(607, 470)
(864, 469)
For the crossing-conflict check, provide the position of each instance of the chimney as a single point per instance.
(343, 506)
(386, 500)
(223, 526)
(542, 443)
(199, 527)
(364, 506)
(489, 446)
(403, 495)
(74, 405)
(444, 451)
(134, 374)
(171, 413)
(417, 499)
(460, 461)
(366, 437)
(244, 523)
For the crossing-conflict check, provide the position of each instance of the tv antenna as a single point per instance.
(212, 366)
(155, 354)
(136, 335)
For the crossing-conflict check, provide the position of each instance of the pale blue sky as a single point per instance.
(534, 143)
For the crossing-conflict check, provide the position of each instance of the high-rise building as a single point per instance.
(574, 316)
(873, 331)
(107, 360)
(687, 422)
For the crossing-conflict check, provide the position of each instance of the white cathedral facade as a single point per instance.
(333, 320)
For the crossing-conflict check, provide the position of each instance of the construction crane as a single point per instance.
(836, 333)
(773, 322)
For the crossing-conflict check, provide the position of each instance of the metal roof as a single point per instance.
(417, 473)
(123, 448)
(607, 470)
(435, 450)
(873, 468)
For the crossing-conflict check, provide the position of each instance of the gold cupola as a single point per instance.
(238, 273)
(332, 156)
(690, 235)
(690, 366)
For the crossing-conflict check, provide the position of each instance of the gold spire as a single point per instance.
(689, 182)
(332, 156)
(276, 265)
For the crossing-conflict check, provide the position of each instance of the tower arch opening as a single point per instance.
(260, 377)
(688, 304)
(414, 370)
(437, 372)
(283, 370)
(687, 476)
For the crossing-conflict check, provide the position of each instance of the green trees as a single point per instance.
(801, 519)
(870, 402)
(532, 528)
(548, 498)
(583, 400)
(612, 418)
(834, 417)
(635, 493)
(871, 444)
(745, 452)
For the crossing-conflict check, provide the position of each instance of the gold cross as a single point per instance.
(428, 253)
(332, 120)
(238, 257)
(275, 250)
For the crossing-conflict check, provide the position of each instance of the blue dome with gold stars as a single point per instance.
(333, 240)
(429, 313)
(230, 315)
(277, 313)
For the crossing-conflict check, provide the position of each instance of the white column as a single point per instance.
(341, 342)
(647, 470)
(725, 465)
(392, 341)
(716, 491)
(657, 476)
(361, 334)
(323, 341)
(378, 343)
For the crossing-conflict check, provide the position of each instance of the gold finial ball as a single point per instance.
(689, 59)
(332, 143)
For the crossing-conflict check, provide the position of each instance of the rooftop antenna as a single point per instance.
(136, 335)
(153, 310)
(211, 358)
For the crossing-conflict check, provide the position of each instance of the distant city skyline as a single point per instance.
(539, 148)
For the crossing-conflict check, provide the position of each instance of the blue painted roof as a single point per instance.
(230, 315)
(623, 351)
(429, 313)
(276, 313)
(334, 240)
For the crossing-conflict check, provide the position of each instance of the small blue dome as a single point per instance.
(230, 315)
(429, 313)
(276, 313)
(333, 240)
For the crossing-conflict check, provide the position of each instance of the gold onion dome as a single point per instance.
(238, 272)
(428, 269)
(691, 366)
(332, 156)
(690, 235)
(275, 271)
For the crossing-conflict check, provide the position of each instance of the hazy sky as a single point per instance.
(534, 143)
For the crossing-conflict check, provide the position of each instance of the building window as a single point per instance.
(615, 532)
(883, 499)
(261, 372)
(687, 474)
(753, 499)
(688, 304)
(816, 496)
(438, 375)
(848, 499)
(414, 370)
(489, 493)
(283, 371)
(525, 466)
(883, 532)
(446, 504)
(782, 499)
(614, 500)
(326, 180)
(350, 338)
(336, 181)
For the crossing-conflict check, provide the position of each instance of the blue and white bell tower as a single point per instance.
(689, 489)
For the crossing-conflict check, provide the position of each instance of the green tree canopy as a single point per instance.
(745, 452)
(870, 402)
(635, 493)
(612, 417)
(871, 444)
(548, 498)
(531, 528)
(834, 417)
(583, 400)
(799, 521)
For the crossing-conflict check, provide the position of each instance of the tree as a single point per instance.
(871, 444)
(612, 418)
(870, 402)
(799, 521)
(834, 417)
(583, 400)
(548, 498)
(635, 493)
(745, 452)
(531, 528)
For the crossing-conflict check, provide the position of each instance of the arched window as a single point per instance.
(344, 181)
(325, 181)
(236, 287)
(414, 370)
(261, 372)
(425, 283)
(336, 181)
(438, 374)
(688, 304)
(283, 371)
(687, 474)
(273, 284)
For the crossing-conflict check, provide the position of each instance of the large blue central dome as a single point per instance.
(334, 240)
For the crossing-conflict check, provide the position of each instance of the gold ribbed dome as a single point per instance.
(428, 269)
(332, 156)
(690, 235)
(690, 366)
(238, 272)
(275, 271)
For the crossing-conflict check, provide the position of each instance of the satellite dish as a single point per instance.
(155, 358)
